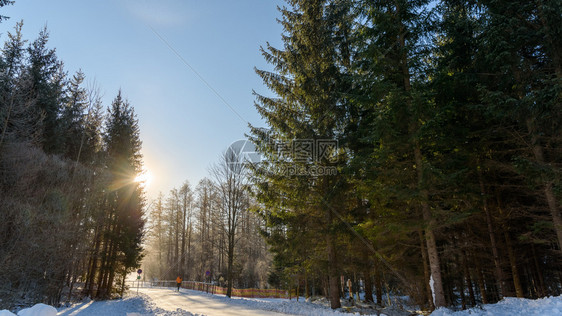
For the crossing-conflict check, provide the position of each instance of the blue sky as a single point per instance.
(184, 125)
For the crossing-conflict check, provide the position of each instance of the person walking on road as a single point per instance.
(178, 281)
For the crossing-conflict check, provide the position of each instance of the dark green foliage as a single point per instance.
(45, 80)
(70, 211)
(448, 114)
(72, 117)
(309, 81)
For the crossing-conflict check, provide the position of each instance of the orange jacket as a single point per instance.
(178, 280)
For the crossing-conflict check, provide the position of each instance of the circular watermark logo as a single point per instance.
(241, 153)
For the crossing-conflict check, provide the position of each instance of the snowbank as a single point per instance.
(6, 312)
(511, 306)
(38, 310)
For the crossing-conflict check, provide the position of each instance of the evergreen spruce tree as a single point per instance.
(528, 92)
(46, 78)
(125, 200)
(308, 81)
(395, 115)
(73, 116)
(20, 121)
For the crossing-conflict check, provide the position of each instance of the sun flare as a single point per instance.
(144, 178)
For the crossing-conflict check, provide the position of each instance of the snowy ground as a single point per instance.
(167, 302)
(511, 306)
(130, 306)
(163, 301)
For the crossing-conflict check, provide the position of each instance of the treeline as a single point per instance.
(448, 156)
(208, 229)
(71, 214)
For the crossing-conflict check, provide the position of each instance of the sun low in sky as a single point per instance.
(144, 178)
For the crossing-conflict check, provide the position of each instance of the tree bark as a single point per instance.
(229, 275)
(434, 265)
(333, 279)
(183, 237)
(513, 264)
(306, 290)
(468, 279)
(429, 296)
(500, 279)
(480, 280)
(93, 267)
(378, 283)
(548, 192)
(542, 288)
(368, 279)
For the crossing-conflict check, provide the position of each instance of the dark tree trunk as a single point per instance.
(513, 264)
(480, 280)
(368, 284)
(429, 295)
(229, 275)
(378, 283)
(333, 278)
(468, 279)
(500, 278)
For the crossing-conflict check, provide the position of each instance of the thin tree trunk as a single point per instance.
(112, 265)
(229, 267)
(480, 280)
(92, 269)
(183, 236)
(500, 279)
(333, 279)
(368, 280)
(189, 244)
(434, 265)
(103, 269)
(513, 264)
(429, 296)
(461, 284)
(378, 283)
(306, 290)
(548, 192)
(468, 279)
(177, 236)
(542, 288)
(124, 275)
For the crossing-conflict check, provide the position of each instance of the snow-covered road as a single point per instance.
(168, 302)
(201, 303)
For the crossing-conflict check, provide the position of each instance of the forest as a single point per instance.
(71, 213)
(208, 228)
(413, 147)
(447, 120)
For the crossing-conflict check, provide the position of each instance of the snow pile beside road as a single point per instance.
(36, 310)
(511, 306)
(39, 310)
